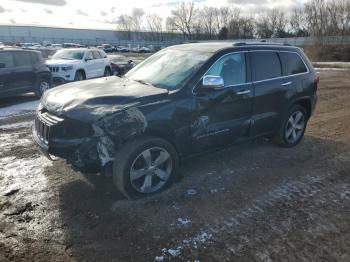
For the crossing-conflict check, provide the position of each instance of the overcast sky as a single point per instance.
(102, 14)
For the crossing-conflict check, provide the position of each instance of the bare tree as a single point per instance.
(297, 22)
(272, 24)
(208, 17)
(131, 24)
(182, 18)
(155, 26)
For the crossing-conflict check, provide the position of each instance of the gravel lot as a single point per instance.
(252, 202)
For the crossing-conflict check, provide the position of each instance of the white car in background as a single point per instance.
(78, 64)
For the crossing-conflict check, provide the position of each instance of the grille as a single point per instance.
(42, 130)
(44, 122)
(54, 69)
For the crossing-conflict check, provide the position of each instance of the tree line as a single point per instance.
(315, 18)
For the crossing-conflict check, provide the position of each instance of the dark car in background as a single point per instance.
(120, 64)
(180, 102)
(23, 71)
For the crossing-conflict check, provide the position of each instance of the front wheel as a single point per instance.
(293, 127)
(79, 76)
(145, 167)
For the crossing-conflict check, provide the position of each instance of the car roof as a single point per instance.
(214, 47)
(81, 49)
(18, 50)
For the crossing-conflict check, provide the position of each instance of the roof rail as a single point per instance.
(263, 42)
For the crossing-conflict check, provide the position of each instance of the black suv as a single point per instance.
(180, 102)
(23, 71)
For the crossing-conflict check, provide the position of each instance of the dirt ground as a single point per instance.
(252, 202)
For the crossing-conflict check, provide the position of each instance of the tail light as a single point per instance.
(317, 79)
(114, 65)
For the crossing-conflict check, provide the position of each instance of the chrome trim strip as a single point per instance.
(259, 81)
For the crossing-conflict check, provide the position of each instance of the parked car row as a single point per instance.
(124, 49)
(25, 70)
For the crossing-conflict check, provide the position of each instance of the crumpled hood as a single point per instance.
(93, 99)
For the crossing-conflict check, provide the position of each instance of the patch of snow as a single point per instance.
(159, 259)
(175, 252)
(19, 109)
(17, 125)
(183, 221)
(193, 242)
(191, 192)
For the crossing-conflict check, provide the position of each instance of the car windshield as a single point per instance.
(121, 59)
(69, 55)
(169, 69)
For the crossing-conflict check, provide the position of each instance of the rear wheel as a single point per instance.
(293, 127)
(145, 167)
(42, 86)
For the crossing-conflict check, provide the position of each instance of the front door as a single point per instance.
(24, 73)
(223, 116)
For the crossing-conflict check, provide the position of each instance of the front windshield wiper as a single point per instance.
(142, 82)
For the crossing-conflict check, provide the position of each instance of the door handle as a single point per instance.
(286, 83)
(243, 92)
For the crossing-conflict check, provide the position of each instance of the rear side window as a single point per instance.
(23, 58)
(6, 60)
(266, 65)
(103, 54)
(96, 54)
(292, 64)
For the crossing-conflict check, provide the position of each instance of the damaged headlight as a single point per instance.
(40, 106)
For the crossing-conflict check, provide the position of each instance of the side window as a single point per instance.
(96, 55)
(292, 64)
(35, 58)
(6, 60)
(23, 58)
(266, 65)
(231, 67)
(89, 55)
(103, 54)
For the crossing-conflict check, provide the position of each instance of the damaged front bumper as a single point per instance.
(87, 154)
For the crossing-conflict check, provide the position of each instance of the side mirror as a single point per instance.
(2, 65)
(130, 61)
(88, 59)
(213, 82)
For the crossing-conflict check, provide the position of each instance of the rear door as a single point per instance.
(294, 68)
(90, 67)
(99, 64)
(272, 91)
(24, 72)
(7, 65)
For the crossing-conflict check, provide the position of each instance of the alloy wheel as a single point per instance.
(295, 127)
(151, 170)
(44, 86)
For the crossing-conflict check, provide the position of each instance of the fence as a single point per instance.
(22, 34)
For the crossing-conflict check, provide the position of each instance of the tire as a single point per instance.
(148, 177)
(293, 127)
(107, 72)
(42, 85)
(79, 76)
